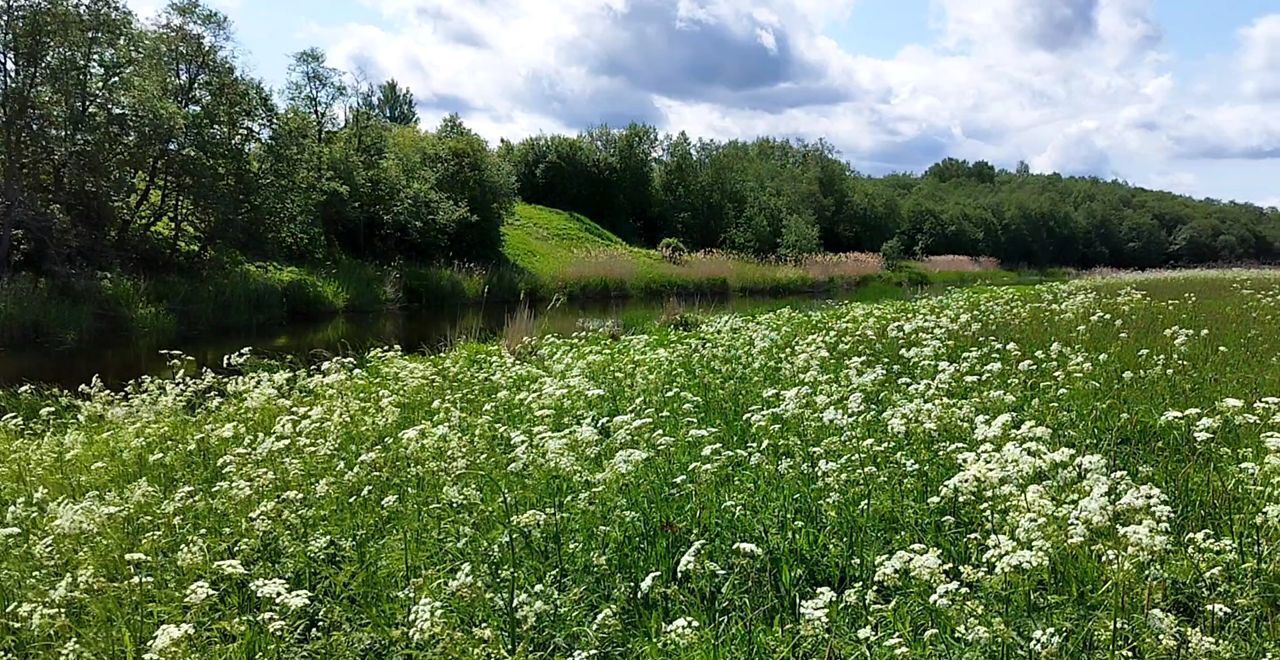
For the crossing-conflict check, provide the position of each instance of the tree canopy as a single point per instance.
(148, 146)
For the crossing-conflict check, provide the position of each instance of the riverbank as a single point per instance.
(548, 255)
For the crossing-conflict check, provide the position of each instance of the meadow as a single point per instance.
(1078, 469)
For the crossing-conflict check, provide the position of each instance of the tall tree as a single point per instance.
(65, 73)
(395, 104)
(315, 88)
(204, 118)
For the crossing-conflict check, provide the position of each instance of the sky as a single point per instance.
(1180, 95)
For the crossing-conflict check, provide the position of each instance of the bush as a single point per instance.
(799, 238)
(673, 251)
(894, 253)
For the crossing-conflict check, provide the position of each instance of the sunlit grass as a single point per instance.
(1088, 469)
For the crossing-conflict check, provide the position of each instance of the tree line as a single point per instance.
(147, 146)
(771, 197)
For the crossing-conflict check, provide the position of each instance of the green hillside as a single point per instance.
(544, 241)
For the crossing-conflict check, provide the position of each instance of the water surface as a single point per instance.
(425, 330)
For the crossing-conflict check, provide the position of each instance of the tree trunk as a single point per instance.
(6, 239)
(127, 225)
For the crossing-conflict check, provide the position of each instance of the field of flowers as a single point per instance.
(1088, 469)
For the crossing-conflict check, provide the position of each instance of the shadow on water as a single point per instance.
(421, 331)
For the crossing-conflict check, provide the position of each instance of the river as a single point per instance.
(117, 362)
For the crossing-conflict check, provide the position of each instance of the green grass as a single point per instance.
(565, 254)
(544, 241)
(1077, 470)
(37, 311)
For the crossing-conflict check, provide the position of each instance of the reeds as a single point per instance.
(520, 326)
(954, 263)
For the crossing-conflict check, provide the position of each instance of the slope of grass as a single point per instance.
(544, 241)
(568, 255)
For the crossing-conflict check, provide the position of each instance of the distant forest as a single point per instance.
(148, 147)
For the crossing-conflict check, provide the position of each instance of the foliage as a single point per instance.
(799, 238)
(150, 148)
(395, 104)
(673, 250)
(1071, 470)
(894, 253)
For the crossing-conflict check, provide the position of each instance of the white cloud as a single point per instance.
(590, 61)
(1079, 151)
(1015, 25)
(1260, 57)
(1081, 86)
(1232, 130)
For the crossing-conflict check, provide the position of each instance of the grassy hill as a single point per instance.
(544, 241)
(559, 253)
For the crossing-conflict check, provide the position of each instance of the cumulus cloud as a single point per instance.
(1077, 86)
(1078, 151)
(1260, 57)
(721, 53)
(580, 62)
(1244, 130)
(1049, 25)
(1119, 29)
(1240, 119)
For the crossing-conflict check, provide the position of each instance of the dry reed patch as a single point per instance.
(715, 265)
(520, 325)
(955, 263)
(845, 264)
(601, 264)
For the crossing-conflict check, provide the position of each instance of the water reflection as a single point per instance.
(418, 331)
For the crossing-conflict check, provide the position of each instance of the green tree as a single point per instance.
(1196, 241)
(294, 182)
(676, 187)
(65, 76)
(799, 237)
(1145, 243)
(315, 88)
(198, 184)
(470, 175)
(395, 104)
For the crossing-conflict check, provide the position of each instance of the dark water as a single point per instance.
(427, 330)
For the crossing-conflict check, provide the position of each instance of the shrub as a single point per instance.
(894, 253)
(799, 238)
(673, 251)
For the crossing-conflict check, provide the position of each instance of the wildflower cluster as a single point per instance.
(1071, 470)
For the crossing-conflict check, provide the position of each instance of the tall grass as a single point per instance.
(951, 263)
(47, 313)
(249, 295)
(1069, 470)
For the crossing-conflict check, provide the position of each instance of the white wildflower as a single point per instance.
(647, 583)
(198, 592)
(166, 637)
(230, 567)
(689, 561)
